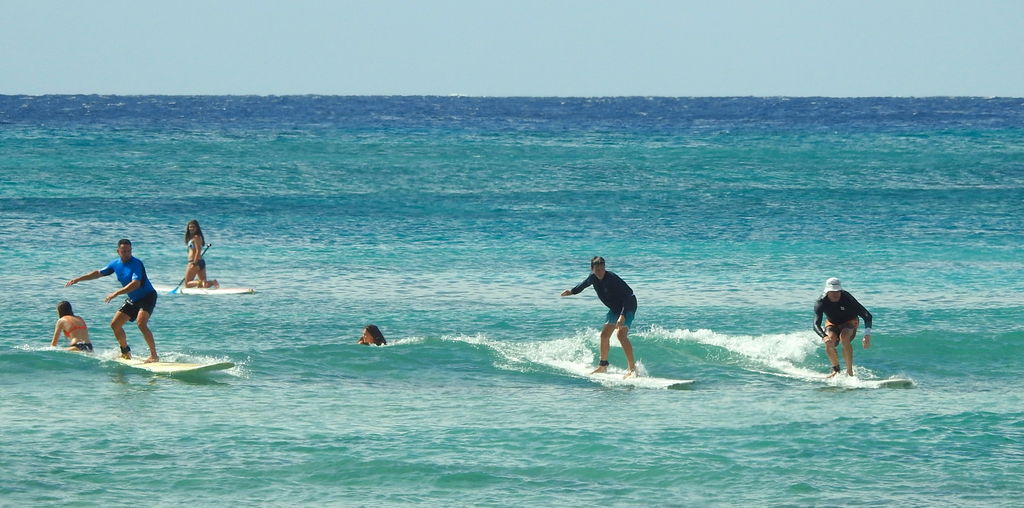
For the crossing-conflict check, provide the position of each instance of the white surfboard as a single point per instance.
(174, 367)
(844, 381)
(841, 380)
(614, 377)
(658, 383)
(167, 290)
(895, 382)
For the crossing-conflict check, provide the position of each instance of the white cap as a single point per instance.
(833, 284)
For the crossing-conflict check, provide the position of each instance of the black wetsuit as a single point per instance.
(612, 290)
(846, 309)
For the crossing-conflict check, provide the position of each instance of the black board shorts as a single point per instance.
(146, 303)
(839, 327)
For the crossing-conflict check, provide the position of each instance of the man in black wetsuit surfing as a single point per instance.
(842, 311)
(621, 303)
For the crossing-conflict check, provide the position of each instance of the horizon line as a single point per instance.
(470, 96)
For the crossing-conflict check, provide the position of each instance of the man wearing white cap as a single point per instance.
(842, 311)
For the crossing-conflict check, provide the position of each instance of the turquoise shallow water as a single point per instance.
(453, 223)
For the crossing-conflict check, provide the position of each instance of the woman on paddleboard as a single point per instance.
(73, 328)
(196, 268)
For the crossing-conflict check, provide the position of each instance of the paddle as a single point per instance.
(201, 254)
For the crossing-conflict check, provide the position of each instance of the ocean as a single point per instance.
(454, 223)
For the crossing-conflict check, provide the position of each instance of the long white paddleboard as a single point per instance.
(167, 290)
(174, 367)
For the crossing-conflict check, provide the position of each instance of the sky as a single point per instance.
(677, 48)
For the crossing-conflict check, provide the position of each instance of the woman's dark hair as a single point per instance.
(199, 231)
(378, 338)
(64, 309)
(596, 260)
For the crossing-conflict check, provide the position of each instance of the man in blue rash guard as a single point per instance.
(621, 303)
(842, 311)
(141, 299)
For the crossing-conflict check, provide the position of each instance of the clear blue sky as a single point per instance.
(514, 47)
